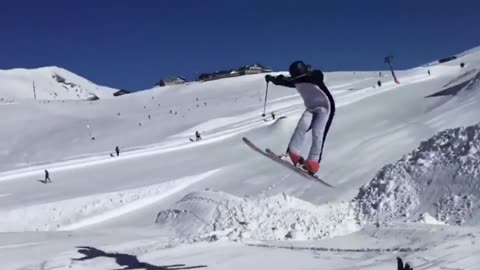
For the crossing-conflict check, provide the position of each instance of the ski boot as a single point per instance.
(296, 158)
(311, 166)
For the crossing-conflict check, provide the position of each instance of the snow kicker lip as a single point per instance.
(454, 90)
(210, 215)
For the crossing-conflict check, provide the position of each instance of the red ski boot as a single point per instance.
(296, 158)
(311, 166)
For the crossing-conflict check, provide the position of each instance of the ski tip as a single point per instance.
(327, 184)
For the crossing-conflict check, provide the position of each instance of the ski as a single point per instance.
(268, 120)
(271, 155)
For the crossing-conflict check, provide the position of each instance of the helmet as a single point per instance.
(298, 68)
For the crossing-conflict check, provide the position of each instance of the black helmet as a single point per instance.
(298, 68)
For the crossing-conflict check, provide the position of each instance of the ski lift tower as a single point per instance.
(388, 60)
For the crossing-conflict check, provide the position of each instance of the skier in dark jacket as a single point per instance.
(401, 266)
(197, 136)
(318, 116)
(47, 177)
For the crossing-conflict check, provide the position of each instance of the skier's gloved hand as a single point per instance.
(269, 78)
(278, 79)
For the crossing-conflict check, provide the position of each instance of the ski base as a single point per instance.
(271, 155)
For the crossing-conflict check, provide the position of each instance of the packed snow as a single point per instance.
(404, 160)
(80, 212)
(216, 215)
(440, 178)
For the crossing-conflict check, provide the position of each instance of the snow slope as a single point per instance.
(168, 203)
(51, 83)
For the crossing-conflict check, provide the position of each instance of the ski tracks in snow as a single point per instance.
(81, 212)
(220, 132)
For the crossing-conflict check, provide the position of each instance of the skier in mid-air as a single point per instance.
(318, 116)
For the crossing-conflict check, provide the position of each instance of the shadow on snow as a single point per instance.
(127, 261)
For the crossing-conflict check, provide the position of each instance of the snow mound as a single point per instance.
(428, 219)
(441, 178)
(211, 215)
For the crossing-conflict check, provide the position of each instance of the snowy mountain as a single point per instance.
(403, 160)
(49, 83)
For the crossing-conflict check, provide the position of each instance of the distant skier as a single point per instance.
(401, 266)
(117, 150)
(47, 177)
(318, 116)
(197, 136)
(273, 115)
(429, 72)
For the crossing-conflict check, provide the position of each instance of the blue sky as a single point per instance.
(132, 44)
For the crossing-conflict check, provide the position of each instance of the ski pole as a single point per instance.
(265, 102)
